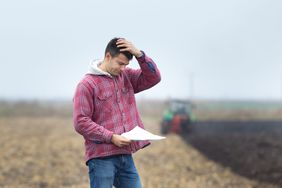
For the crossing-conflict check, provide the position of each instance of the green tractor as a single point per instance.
(177, 117)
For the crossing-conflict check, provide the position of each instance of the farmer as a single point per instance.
(105, 107)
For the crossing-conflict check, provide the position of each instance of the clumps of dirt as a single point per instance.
(47, 152)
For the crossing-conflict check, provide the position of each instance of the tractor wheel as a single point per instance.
(164, 127)
(185, 126)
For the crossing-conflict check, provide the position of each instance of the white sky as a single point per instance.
(232, 48)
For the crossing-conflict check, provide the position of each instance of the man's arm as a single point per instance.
(145, 77)
(83, 108)
(83, 124)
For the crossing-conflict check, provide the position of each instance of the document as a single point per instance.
(138, 134)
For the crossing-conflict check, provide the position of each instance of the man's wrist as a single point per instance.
(109, 137)
(139, 54)
(112, 137)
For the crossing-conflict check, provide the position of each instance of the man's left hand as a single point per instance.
(125, 45)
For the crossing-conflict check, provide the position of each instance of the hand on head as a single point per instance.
(125, 45)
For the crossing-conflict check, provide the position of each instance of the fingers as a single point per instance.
(124, 47)
(123, 44)
(120, 141)
(124, 141)
(122, 41)
(122, 144)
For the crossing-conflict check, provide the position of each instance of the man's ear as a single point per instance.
(108, 56)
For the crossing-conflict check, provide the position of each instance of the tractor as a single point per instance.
(177, 117)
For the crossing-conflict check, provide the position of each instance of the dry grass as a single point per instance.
(45, 151)
(41, 152)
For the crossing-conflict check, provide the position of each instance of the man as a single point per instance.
(105, 107)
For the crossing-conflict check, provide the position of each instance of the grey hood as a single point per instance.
(95, 70)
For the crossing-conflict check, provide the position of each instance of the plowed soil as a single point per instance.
(46, 152)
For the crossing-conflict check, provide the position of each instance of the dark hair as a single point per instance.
(115, 51)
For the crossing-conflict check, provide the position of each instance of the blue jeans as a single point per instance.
(118, 170)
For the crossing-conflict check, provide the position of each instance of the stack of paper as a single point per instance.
(140, 134)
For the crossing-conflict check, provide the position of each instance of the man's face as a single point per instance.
(116, 64)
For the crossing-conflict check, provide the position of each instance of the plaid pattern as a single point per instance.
(103, 106)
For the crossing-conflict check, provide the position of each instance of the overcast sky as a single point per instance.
(208, 49)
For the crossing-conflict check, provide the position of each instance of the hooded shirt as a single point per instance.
(104, 105)
(95, 70)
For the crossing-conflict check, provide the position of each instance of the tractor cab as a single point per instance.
(176, 117)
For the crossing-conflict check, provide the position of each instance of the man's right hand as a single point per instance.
(120, 141)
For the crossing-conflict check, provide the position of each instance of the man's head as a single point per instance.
(115, 60)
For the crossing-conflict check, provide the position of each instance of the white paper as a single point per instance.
(138, 134)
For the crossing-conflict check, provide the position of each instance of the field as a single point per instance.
(239, 148)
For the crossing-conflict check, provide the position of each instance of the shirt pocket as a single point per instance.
(103, 96)
(105, 102)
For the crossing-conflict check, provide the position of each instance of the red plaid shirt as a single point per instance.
(105, 105)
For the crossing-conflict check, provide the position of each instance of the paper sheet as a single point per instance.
(139, 134)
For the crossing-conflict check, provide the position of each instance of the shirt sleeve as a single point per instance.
(83, 108)
(146, 77)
